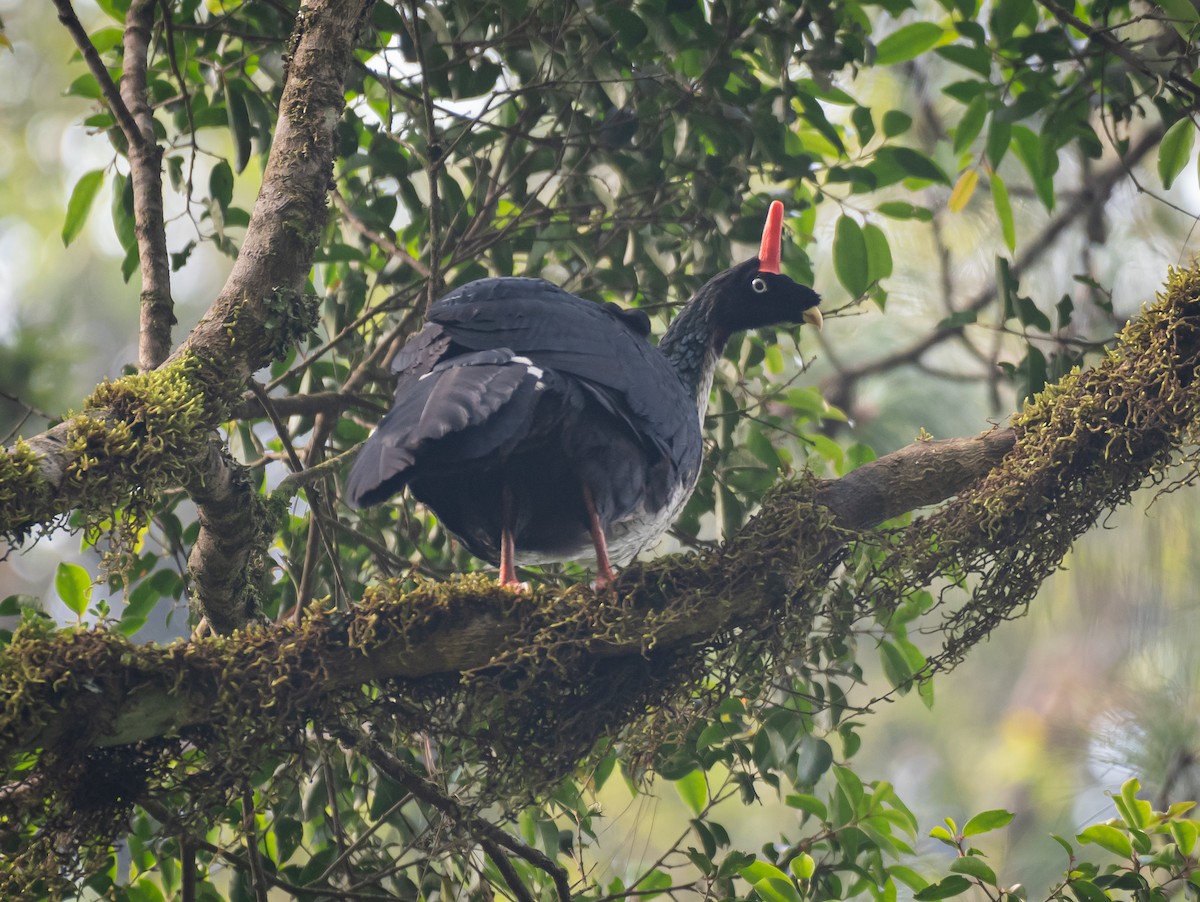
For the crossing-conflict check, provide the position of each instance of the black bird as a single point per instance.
(541, 427)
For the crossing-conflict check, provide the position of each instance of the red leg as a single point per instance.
(508, 570)
(604, 575)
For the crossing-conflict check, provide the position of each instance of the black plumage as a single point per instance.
(542, 427)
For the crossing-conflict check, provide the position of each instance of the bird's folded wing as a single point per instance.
(602, 346)
(468, 408)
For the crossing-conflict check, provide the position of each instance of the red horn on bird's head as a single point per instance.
(769, 253)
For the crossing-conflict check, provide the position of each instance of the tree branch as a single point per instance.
(257, 315)
(145, 164)
(108, 89)
(150, 705)
(492, 837)
(842, 384)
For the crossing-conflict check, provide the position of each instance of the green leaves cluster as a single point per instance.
(627, 151)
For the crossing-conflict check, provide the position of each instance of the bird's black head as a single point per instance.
(749, 297)
(756, 293)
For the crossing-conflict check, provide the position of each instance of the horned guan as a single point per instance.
(541, 427)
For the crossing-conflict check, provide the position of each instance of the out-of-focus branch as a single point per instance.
(484, 829)
(841, 386)
(1177, 82)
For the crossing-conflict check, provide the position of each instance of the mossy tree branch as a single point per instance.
(533, 681)
(1080, 450)
(105, 455)
(472, 623)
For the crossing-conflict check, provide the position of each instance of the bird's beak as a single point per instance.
(813, 317)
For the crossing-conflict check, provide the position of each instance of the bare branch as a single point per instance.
(108, 89)
(1100, 187)
(145, 165)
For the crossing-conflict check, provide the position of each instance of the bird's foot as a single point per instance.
(605, 581)
(515, 584)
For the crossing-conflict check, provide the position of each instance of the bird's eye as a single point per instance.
(759, 286)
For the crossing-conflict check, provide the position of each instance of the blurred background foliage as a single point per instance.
(981, 194)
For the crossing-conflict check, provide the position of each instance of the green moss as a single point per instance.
(24, 493)
(274, 324)
(1083, 447)
(135, 436)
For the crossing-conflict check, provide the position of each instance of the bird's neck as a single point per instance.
(692, 345)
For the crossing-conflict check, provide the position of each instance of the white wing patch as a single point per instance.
(534, 370)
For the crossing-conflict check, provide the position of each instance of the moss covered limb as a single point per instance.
(228, 561)
(1083, 447)
(258, 314)
(436, 632)
(134, 437)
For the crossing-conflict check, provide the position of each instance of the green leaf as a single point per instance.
(1107, 837)
(908, 877)
(909, 163)
(74, 585)
(693, 789)
(1004, 211)
(899, 209)
(971, 123)
(974, 866)
(812, 760)
(1007, 15)
(810, 804)
(1086, 891)
(1184, 834)
(895, 666)
(907, 42)
(1029, 150)
(220, 184)
(239, 125)
(986, 821)
(850, 256)
(943, 835)
(803, 866)
(654, 884)
(773, 889)
(999, 137)
(851, 785)
(762, 870)
(1175, 150)
(879, 253)
(1134, 811)
(896, 122)
(954, 885)
(80, 204)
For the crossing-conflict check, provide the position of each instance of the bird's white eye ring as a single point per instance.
(759, 286)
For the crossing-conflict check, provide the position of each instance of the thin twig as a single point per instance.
(378, 238)
(108, 88)
(433, 164)
(253, 856)
(477, 826)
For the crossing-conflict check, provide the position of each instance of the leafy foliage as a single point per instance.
(625, 150)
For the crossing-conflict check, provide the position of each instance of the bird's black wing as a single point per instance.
(602, 346)
(466, 408)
